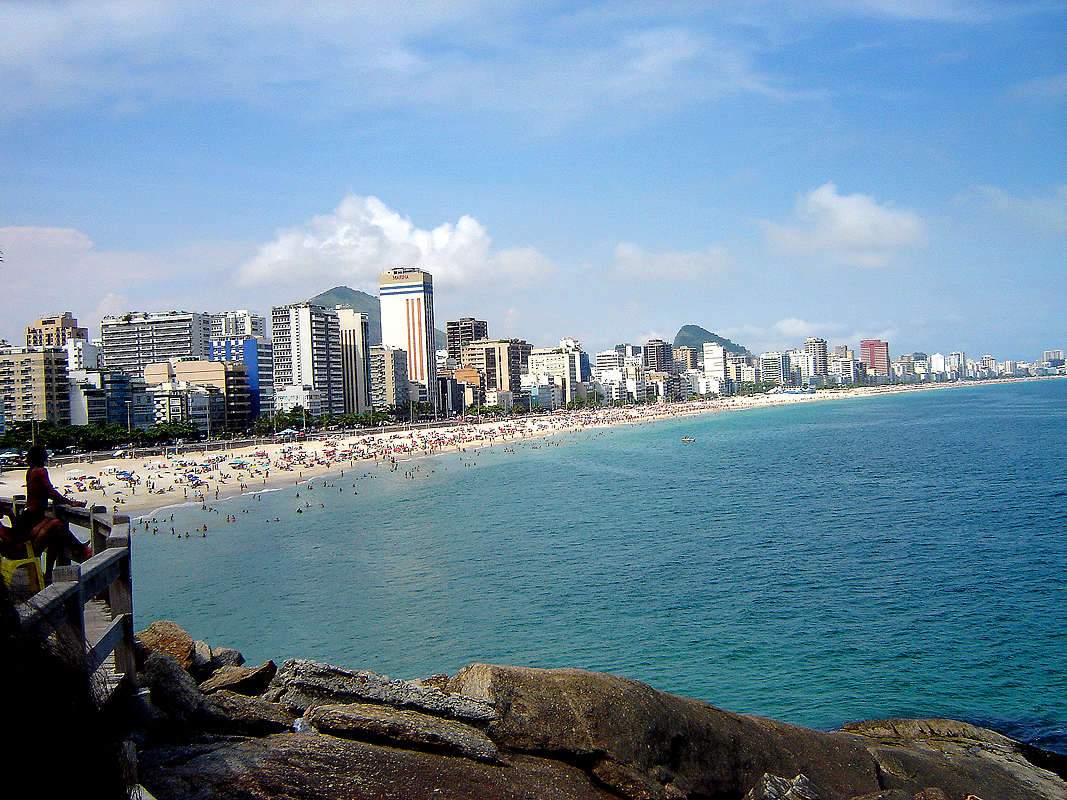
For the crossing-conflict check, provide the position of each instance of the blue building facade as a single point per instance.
(258, 355)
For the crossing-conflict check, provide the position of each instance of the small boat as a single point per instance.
(688, 439)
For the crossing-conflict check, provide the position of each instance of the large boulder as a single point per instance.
(643, 743)
(172, 690)
(164, 636)
(301, 684)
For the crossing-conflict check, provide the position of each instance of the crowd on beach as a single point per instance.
(139, 485)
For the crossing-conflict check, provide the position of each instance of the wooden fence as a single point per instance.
(61, 607)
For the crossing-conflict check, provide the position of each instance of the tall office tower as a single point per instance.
(355, 364)
(34, 384)
(816, 348)
(388, 377)
(774, 368)
(55, 331)
(257, 354)
(406, 298)
(957, 362)
(658, 356)
(715, 361)
(133, 340)
(238, 325)
(501, 361)
(875, 354)
(464, 331)
(307, 352)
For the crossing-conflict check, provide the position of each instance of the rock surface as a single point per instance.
(376, 723)
(301, 684)
(235, 714)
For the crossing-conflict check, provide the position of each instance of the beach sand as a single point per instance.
(204, 477)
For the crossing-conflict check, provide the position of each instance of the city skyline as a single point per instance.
(848, 169)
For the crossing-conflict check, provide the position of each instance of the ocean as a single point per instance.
(896, 555)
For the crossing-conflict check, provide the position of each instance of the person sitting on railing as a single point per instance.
(33, 525)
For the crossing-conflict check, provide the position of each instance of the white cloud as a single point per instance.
(51, 270)
(543, 66)
(799, 329)
(363, 238)
(1050, 90)
(852, 230)
(633, 263)
(1047, 214)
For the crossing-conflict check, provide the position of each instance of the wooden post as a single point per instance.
(120, 598)
(73, 608)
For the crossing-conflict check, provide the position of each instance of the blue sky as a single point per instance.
(609, 171)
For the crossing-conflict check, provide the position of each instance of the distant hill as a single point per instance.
(695, 336)
(361, 301)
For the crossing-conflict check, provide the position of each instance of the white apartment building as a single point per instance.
(132, 340)
(238, 325)
(563, 362)
(307, 352)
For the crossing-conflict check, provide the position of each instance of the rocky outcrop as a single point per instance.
(301, 684)
(398, 727)
(319, 731)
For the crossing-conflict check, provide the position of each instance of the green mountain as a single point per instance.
(695, 336)
(361, 301)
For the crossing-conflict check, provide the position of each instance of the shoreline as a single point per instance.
(154, 483)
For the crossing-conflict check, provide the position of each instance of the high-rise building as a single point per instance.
(257, 354)
(464, 331)
(774, 368)
(389, 385)
(686, 357)
(816, 348)
(34, 384)
(307, 352)
(658, 356)
(238, 325)
(874, 353)
(131, 341)
(406, 298)
(55, 331)
(715, 365)
(957, 363)
(501, 361)
(355, 359)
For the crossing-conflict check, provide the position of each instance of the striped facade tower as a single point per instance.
(406, 298)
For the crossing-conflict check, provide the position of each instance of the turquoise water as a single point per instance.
(902, 555)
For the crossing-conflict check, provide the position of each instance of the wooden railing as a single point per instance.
(60, 608)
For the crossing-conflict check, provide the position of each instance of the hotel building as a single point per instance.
(406, 298)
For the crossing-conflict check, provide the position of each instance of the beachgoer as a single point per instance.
(33, 525)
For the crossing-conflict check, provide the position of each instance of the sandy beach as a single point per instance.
(137, 486)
